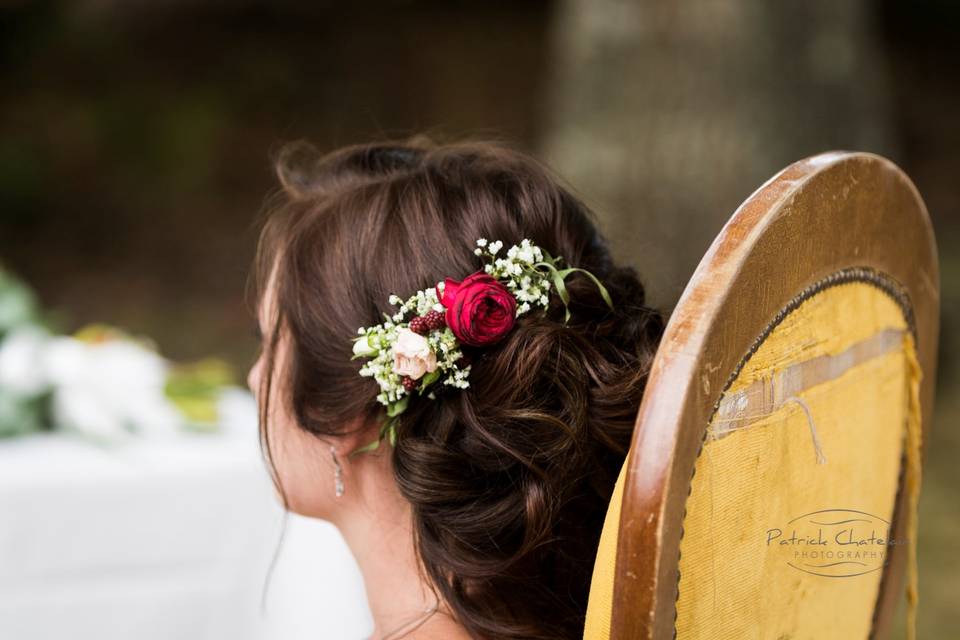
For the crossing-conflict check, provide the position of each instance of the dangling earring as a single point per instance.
(337, 474)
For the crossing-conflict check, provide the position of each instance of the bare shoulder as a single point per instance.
(440, 628)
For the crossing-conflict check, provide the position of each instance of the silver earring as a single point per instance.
(337, 474)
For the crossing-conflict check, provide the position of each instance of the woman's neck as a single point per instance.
(377, 526)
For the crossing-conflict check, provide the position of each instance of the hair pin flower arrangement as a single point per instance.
(419, 345)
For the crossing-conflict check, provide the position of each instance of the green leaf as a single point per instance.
(564, 294)
(549, 258)
(558, 277)
(427, 380)
(367, 447)
(393, 436)
(549, 265)
(386, 427)
(603, 290)
(398, 407)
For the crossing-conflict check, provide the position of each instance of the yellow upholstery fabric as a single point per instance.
(600, 604)
(764, 476)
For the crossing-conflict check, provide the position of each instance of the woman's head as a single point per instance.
(508, 480)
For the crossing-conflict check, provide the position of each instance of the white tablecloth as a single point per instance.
(163, 540)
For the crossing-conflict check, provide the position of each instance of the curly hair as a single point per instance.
(509, 480)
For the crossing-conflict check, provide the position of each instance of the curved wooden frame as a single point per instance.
(819, 215)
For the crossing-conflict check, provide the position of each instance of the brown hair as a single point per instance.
(509, 479)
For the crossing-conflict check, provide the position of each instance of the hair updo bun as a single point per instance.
(510, 478)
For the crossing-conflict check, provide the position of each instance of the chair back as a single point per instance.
(772, 483)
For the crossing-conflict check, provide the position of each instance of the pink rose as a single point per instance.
(479, 310)
(412, 355)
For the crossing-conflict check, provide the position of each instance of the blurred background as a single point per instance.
(136, 142)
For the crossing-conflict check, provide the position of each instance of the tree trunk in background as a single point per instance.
(666, 114)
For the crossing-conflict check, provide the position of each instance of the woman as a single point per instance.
(473, 509)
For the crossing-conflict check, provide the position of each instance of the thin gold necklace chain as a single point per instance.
(416, 622)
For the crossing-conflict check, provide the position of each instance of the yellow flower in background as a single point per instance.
(195, 390)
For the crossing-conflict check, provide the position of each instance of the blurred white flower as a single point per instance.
(21, 363)
(109, 389)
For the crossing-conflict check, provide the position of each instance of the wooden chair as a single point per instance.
(783, 420)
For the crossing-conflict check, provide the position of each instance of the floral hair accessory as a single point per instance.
(419, 345)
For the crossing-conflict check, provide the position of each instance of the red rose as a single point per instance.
(479, 309)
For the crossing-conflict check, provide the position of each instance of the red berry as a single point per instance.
(419, 325)
(434, 319)
(409, 383)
